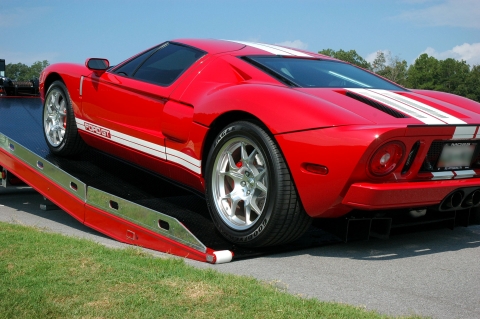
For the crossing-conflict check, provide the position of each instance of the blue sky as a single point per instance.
(74, 30)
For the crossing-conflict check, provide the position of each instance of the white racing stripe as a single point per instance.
(184, 156)
(465, 174)
(453, 174)
(464, 132)
(443, 175)
(291, 51)
(183, 159)
(407, 109)
(156, 150)
(274, 49)
(447, 118)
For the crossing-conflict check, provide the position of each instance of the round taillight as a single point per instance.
(386, 158)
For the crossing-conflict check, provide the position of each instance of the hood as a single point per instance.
(402, 107)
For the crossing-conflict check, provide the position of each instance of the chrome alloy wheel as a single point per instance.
(55, 117)
(239, 183)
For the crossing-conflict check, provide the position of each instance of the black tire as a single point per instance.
(282, 219)
(71, 144)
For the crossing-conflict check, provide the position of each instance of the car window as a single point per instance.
(167, 64)
(314, 73)
(131, 66)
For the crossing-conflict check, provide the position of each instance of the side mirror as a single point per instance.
(99, 66)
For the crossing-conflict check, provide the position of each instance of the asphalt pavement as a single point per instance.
(432, 273)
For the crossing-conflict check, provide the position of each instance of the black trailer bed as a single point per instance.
(21, 120)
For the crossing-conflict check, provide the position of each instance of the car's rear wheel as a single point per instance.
(250, 193)
(59, 125)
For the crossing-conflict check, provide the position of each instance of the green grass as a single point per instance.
(47, 275)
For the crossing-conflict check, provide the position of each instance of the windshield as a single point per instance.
(309, 73)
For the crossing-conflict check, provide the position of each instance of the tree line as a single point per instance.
(23, 72)
(427, 72)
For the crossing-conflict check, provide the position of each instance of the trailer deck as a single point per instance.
(118, 199)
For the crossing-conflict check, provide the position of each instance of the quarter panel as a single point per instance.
(280, 109)
(343, 150)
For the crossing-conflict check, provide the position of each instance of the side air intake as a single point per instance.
(377, 105)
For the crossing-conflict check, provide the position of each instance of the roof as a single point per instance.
(248, 48)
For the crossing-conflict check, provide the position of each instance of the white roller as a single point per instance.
(223, 256)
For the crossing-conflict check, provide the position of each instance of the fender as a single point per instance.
(71, 74)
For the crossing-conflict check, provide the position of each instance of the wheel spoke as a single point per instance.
(231, 162)
(59, 137)
(255, 208)
(52, 100)
(234, 205)
(261, 187)
(251, 157)
(61, 106)
(247, 215)
(260, 175)
(243, 151)
(234, 175)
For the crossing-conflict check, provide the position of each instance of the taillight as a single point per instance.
(386, 158)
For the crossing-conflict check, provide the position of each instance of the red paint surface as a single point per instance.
(318, 126)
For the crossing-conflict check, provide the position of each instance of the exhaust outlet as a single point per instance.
(476, 198)
(452, 201)
(473, 199)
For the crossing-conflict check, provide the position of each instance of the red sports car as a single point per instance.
(272, 136)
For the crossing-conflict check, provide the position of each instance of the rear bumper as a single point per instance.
(369, 196)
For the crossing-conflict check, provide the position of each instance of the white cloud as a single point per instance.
(296, 44)
(457, 13)
(468, 52)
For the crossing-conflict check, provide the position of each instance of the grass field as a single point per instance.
(46, 275)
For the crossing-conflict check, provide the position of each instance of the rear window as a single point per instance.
(308, 73)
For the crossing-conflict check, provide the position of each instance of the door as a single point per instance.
(123, 107)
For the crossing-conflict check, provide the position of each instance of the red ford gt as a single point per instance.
(273, 136)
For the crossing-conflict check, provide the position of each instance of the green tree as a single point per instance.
(390, 67)
(16, 71)
(380, 62)
(36, 68)
(422, 74)
(473, 83)
(348, 56)
(22, 72)
(452, 76)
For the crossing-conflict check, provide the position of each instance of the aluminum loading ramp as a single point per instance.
(117, 199)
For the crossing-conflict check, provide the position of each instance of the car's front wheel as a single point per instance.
(250, 193)
(59, 125)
